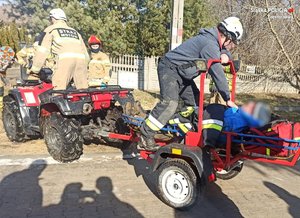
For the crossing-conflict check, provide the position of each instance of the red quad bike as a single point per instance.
(66, 117)
(179, 164)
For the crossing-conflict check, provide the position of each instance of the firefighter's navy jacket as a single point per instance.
(205, 45)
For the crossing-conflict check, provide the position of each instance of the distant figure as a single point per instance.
(6, 58)
(99, 66)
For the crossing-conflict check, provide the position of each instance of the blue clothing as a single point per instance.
(236, 120)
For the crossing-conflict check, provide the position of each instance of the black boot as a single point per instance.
(147, 144)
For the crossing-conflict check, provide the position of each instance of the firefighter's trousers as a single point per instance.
(213, 122)
(68, 69)
(172, 88)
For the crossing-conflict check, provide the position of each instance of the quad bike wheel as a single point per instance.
(114, 123)
(63, 138)
(178, 185)
(229, 174)
(12, 120)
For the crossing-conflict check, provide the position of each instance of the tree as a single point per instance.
(125, 26)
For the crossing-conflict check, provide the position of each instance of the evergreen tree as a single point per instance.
(124, 26)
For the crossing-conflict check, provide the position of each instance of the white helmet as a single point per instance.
(58, 14)
(234, 26)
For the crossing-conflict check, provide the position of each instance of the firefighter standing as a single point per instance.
(65, 44)
(177, 69)
(99, 66)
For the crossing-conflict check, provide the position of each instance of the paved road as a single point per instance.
(104, 185)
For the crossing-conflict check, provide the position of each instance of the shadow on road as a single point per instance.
(212, 202)
(292, 200)
(22, 196)
(278, 168)
(20, 191)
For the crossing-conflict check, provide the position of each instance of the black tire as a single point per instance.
(184, 180)
(12, 120)
(226, 175)
(63, 138)
(115, 123)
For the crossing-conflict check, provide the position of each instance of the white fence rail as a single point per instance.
(142, 73)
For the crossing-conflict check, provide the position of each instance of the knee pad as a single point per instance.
(1, 91)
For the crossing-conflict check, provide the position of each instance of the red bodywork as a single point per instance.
(30, 94)
(101, 99)
(221, 162)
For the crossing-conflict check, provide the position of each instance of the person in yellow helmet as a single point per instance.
(99, 66)
(65, 44)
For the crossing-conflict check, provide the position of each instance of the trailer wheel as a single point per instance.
(226, 175)
(12, 120)
(63, 138)
(178, 185)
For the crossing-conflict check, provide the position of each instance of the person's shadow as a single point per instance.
(108, 204)
(76, 202)
(20, 192)
(292, 200)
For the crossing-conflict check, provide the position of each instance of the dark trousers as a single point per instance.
(172, 89)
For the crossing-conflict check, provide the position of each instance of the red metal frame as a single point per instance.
(195, 138)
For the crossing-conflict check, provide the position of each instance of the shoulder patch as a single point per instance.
(68, 33)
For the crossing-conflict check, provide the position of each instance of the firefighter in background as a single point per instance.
(99, 66)
(25, 57)
(66, 46)
(6, 59)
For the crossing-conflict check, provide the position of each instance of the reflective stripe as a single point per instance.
(173, 121)
(183, 127)
(42, 49)
(268, 151)
(210, 121)
(100, 62)
(188, 125)
(212, 126)
(72, 55)
(155, 122)
(188, 112)
(151, 125)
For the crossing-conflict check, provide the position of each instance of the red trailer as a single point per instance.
(179, 162)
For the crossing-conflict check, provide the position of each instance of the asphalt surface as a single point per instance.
(105, 185)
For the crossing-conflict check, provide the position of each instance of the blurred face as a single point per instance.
(95, 47)
(249, 107)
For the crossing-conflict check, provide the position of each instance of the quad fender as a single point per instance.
(30, 115)
(62, 104)
(189, 153)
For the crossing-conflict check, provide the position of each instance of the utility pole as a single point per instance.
(177, 23)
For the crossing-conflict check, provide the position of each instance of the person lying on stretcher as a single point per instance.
(217, 118)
